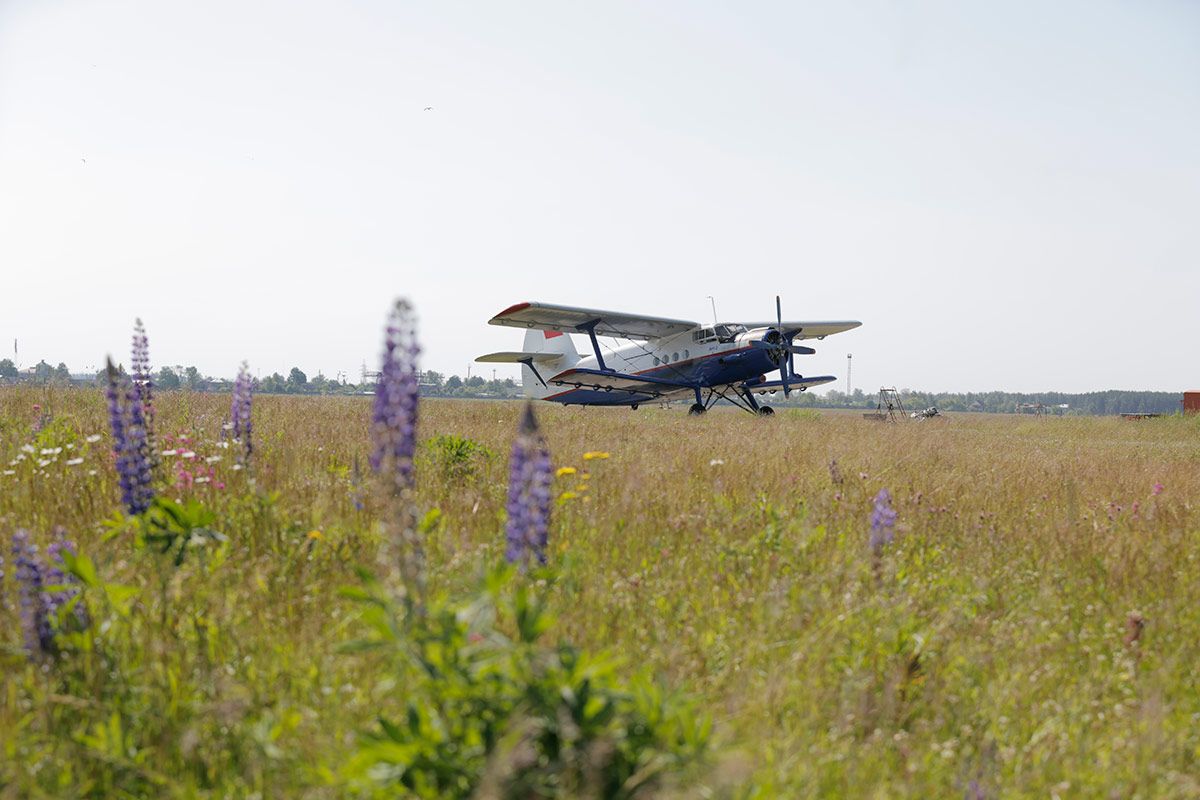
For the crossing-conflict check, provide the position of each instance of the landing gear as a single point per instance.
(696, 410)
(634, 406)
(765, 411)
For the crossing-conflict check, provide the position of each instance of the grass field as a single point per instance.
(1033, 630)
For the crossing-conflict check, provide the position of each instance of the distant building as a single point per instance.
(1191, 402)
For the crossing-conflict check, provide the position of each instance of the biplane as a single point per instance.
(666, 359)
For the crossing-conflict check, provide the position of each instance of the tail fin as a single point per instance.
(548, 342)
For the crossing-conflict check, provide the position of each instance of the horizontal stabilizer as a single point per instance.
(519, 357)
(793, 383)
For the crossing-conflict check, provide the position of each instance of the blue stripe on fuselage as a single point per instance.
(714, 369)
(599, 397)
(717, 369)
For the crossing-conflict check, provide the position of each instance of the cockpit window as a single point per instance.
(727, 333)
(704, 335)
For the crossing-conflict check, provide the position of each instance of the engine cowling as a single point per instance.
(765, 335)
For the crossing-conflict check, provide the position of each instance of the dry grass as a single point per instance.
(992, 642)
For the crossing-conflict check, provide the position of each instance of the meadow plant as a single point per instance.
(130, 444)
(142, 385)
(239, 414)
(883, 521)
(529, 480)
(488, 713)
(30, 576)
(394, 417)
(40, 420)
(394, 435)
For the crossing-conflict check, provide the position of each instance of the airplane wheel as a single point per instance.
(766, 411)
(696, 410)
(634, 406)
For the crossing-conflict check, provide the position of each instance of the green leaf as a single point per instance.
(120, 597)
(81, 567)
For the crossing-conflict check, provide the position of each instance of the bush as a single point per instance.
(457, 456)
(490, 714)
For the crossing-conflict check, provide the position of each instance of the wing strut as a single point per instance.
(529, 363)
(590, 329)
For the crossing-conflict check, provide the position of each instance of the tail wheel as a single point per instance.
(634, 406)
(766, 411)
(696, 410)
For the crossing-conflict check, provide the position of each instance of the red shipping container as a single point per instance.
(1191, 402)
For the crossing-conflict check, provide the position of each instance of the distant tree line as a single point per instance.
(1113, 401)
(436, 384)
(42, 372)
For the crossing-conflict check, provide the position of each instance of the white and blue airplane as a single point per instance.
(668, 358)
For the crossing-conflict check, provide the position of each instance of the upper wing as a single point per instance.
(808, 330)
(569, 319)
(519, 357)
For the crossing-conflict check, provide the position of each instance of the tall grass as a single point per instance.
(1032, 630)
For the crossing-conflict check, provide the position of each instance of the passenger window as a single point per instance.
(674, 356)
(656, 361)
(685, 355)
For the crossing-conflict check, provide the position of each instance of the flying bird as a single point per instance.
(429, 108)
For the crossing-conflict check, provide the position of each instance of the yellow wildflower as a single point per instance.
(565, 471)
(565, 496)
(314, 534)
(589, 455)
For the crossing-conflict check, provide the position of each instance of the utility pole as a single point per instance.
(849, 388)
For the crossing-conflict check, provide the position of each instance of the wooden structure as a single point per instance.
(889, 408)
(1191, 402)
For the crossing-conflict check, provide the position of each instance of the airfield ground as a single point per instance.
(1033, 631)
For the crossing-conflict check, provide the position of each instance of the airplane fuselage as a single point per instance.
(715, 356)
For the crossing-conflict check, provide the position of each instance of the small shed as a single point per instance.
(1191, 402)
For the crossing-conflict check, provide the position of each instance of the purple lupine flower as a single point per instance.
(883, 521)
(529, 480)
(394, 419)
(56, 577)
(142, 386)
(239, 413)
(130, 445)
(31, 580)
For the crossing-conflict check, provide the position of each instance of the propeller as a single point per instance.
(785, 365)
(779, 344)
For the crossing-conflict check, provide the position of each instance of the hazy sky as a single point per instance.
(1006, 194)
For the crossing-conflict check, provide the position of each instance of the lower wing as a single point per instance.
(793, 383)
